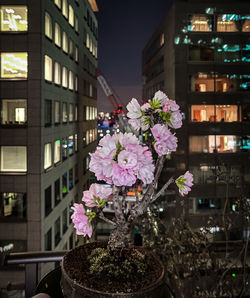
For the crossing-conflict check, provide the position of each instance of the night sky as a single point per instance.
(125, 26)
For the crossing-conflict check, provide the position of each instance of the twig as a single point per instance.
(101, 216)
(160, 192)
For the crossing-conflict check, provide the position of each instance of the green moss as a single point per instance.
(105, 265)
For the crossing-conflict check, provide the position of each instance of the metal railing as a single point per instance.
(31, 261)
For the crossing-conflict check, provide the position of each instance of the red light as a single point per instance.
(114, 112)
(120, 105)
(109, 121)
(118, 111)
(122, 112)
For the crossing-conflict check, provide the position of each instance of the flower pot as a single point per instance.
(73, 288)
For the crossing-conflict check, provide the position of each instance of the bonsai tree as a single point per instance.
(121, 161)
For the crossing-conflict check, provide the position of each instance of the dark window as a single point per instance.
(246, 113)
(48, 240)
(47, 195)
(47, 112)
(70, 178)
(76, 174)
(64, 219)
(71, 240)
(18, 245)
(57, 192)
(57, 231)
(70, 210)
(71, 48)
(64, 149)
(12, 205)
(64, 184)
(57, 112)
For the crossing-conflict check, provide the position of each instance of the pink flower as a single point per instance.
(165, 140)
(123, 176)
(127, 160)
(134, 109)
(135, 124)
(95, 192)
(166, 108)
(145, 107)
(173, 105)
(162, 97)
(175, 120)
(184, 182)
(80, 220)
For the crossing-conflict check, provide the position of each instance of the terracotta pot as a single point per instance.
(72, 289)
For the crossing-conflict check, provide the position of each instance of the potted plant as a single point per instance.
(116, 268)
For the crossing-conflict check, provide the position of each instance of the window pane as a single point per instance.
(14, 65)
(71, 48)
(57, 228)
(227, 23)
(47, 199)
(57, 35)
(64, 77)
(228, 53)
(12, 205)
(57, 74)
(48, 240)
(226, 113)
(58, 3)
(64, 220)
(14, 111)
(71, 112)
(246, 113)
(47, 112)
(76, 54)
(57, 191)
(200, 22)
(57, 112)
(64, 149)
(64, 113)
(76, 24)
(47, 156)
(202, 82)
(57, 151)
(71, 16)
(14, 18)
(65, 8)
(47, 68)
(76, 83)
(76, 143)
(64, 184)
(70, 178)
(76, 174)
(200, 53)
(65, 42)
(48, 25)
(246, 24)
(76, 113)
(71, 145)
(13, 159)
(71, 80)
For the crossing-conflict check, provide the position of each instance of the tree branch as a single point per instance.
(160, 192)
(101, 216)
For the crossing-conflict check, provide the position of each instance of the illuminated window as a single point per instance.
(57, 35)
(202, 82)
(76, 112)
(58, 3)
(65, 43)
(65, 8)
(162, 39)
(48, 25)
(76, 83)
(200, 22)
(71, 145)
(211, 144)
(246, 24)
(71, 16)
(14, 66)
(71, 115)
(14, 18)
(218, 113)
(71, 80)
(57, 151)
(226, 83)
(13, 205)
(57, 112)
(76, 54)
(47, 156)
(76, 143)
(64, 77)
(47, 68)
(57, 73)
(14, 111)
(227, 23)
(13, 159)
(203, 174)
(87, 41)
(64, 112)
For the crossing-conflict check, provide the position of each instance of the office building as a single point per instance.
(200, 55)
(48, 93)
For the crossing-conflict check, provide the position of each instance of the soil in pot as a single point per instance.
(146, 271)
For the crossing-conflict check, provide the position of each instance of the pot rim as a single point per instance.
(143, 290)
